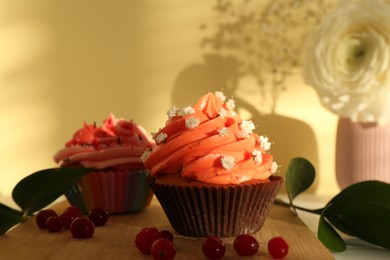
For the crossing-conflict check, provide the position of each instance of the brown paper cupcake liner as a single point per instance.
(219, 211)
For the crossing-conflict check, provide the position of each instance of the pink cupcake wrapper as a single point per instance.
(118, 191)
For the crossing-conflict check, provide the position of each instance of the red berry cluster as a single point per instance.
(159, 244)
(244, 245)
(72, 218)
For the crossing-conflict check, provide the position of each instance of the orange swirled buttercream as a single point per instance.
(209, 142)
(117, 144)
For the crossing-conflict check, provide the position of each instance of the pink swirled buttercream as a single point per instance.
(209, 142)
(117, 144)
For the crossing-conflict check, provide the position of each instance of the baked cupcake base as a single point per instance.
(118, 191)
(198, 210)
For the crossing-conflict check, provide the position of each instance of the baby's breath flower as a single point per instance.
(264, 143)
(192, 122)
(161, 137)
(274, 167)
(270, 40)
(257, 156)
(230, 104)
(222, 112)
(224, 131)
(247, 127)
(220, 95)
(172, 112)
(188, 110)
(227, 161)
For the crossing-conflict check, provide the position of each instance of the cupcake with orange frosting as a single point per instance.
(210, 172)
(118, 181)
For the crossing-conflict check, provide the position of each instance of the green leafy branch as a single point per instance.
(361, 210)
(37, 191)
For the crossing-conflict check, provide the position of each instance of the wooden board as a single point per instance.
(116, 239)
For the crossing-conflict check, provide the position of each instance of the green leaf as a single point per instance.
(8, 220)
(299, 176)
(10, 210)
(366, 191)
(76, 198)
(369, 221)
(41, 188)
(353, 196)
(337, 223)
(329, 237)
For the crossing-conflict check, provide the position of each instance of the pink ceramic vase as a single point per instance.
(362, 152)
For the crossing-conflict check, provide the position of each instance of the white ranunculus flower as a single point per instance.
(347, 61)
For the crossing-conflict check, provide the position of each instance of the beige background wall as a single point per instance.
(63, 62)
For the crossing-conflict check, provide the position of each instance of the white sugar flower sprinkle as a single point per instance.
(145, 156)
(220, 95)
(230, 104)
(274, 167)
(257, 156)
(224, 131)
(264, 143)
(222, 112)
(172, 112)
(188, 110)
(246, 128)
(192, 122)
(227, 162)
(161, 137)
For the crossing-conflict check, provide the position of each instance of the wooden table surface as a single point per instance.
(115, 240)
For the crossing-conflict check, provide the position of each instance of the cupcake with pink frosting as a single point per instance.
(212, 174)
(118, 182)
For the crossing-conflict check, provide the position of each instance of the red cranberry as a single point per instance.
(82, 227)
(213, 248)
(246, 245)
(99, 216)
(67, 217)
(162, 248)
(277, 247)
(43, 215)
(76, 210)
(54, 224)
(167, 234)
(145, 238)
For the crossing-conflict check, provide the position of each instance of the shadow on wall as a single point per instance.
(291, 137)
(215, 74)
